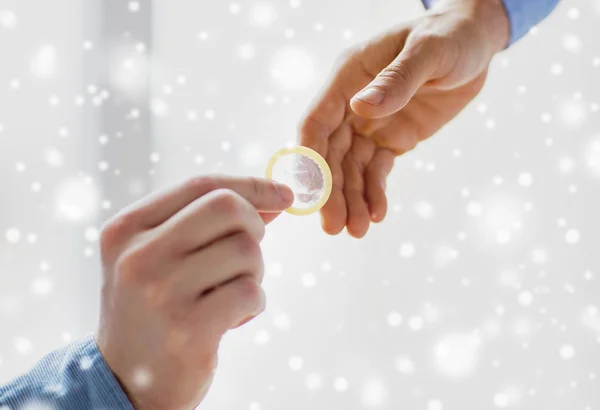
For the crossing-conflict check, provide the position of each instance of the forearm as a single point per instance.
(488, 15)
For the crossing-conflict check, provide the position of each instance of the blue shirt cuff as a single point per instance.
(73, 378)
(523, 15)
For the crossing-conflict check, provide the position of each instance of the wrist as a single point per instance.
(494, 23)
(488, 16)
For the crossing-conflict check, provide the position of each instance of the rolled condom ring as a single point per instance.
(306, 173)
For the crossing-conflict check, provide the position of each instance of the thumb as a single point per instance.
(393, 88)
(266, 195)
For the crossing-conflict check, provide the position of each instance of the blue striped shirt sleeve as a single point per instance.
(73, 378)
(522, 14)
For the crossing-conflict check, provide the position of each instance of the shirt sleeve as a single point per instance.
(73, 378)
(522, 14)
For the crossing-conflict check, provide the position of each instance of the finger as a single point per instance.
(354, 181)
(330, 108)
(334, 212)
(220, 262)
(324, 116)
(229, 305)
(263, 194)
(375, 182)
(393, 88)
(214, 216)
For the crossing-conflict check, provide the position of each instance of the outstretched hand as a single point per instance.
(393, 92)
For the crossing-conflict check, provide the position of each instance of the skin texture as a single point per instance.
(181, 268)
(387, 95)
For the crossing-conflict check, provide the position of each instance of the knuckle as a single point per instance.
(311, 126)
(248, 246)
(258, 186)
(409, 142)
(133, 264)
(260, 231)
(427, 38)
(227, 202)
(116, 230)
(201, 185)
(250, 291)
(396, 72)
(433, 46)
(250, 251)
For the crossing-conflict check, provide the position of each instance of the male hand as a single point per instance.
(181, 268)
(393, 92)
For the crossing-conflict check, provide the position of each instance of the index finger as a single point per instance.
(325, 115)
(265, 195)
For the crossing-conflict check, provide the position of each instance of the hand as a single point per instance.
(393, 92)
(181, 269)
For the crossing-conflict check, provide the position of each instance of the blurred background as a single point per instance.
(479, 291)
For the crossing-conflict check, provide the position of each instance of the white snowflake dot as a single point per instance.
(500, 400)
(394, 319)
(8, 19)
(13, 235)
(246, 51)
(314, 381)
(309, 280)
(573, 236)
(86, 363)
(263, 14)
(262, 337)
(42, 286)
(556, 69)
(407, 250)
(295, 363)
(415, 323)
(142, 378)
(435, 405)
(525, 179)
(405, 365)
(567, 352)
(282, 321)
(374, 393)
(525, 298)
(572, 43)
(424, 209)
(340, 384)
(23, 345)
(573, 13)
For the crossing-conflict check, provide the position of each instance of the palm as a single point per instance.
(427, 111)
(361, 151)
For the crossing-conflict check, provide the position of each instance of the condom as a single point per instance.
(306, 173)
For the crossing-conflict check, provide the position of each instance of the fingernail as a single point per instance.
(284, 192)
(371, 95)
